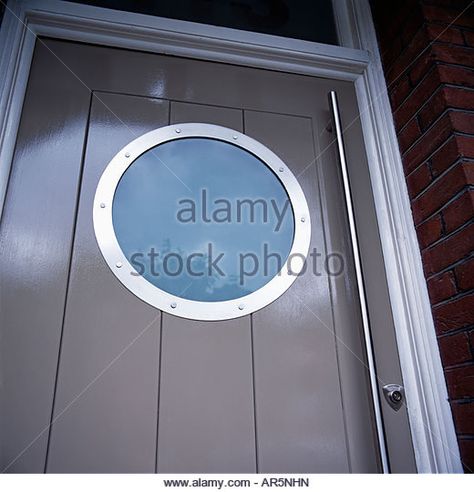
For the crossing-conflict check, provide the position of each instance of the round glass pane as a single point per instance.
(203, 219)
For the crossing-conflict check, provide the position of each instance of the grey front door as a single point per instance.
(96, 380)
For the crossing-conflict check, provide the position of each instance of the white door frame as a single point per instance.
(358, 60)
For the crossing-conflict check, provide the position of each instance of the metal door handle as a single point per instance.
(360, 281)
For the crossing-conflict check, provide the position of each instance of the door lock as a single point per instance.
(394, 394)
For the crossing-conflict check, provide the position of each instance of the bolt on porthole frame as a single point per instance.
(160, 299)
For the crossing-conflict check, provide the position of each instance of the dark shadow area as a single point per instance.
(310, 20)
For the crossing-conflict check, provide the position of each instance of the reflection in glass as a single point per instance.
(203, 219)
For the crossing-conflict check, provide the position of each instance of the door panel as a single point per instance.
(282, 390)
(105, 411)
(300, 388)
(206, 399)
(206, 420)
(35, 243)
(200, 113)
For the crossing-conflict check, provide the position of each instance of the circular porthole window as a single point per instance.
(201, 221)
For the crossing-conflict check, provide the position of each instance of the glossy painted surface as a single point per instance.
(186, 204)
(206, 393)
(110, 337)
(35, 243)
(283, 390)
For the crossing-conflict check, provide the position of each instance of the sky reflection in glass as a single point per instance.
(242, 220)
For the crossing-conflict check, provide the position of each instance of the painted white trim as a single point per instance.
(359, 61)
(345, 23)
(435, 443)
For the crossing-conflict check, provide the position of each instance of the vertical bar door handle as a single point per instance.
(360, 281)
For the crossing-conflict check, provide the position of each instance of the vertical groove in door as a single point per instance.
(252, 349)
(206, 414)
(160, 353)
(254, 391)
(73, 238)
(160, 347)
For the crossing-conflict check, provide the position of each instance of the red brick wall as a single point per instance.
(427, 51)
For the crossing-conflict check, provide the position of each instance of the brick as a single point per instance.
(441, 33)
(412, 25)
(452, 121)
(463, 414)
(418, 180)
(421, 67)
(454, 314)
(417, 98)
(449, 251)
(444, 98)
(454, 349)
(469, 37)
(442, 190)
(441, 287)
(428, 143)
(453, 74)
(466, 449)
(458, 212)
(466, 146)
(429, 231)
(448, 15)
(391, 53)
(453, 54)
(390, 21)
(465, 277)
(445, 156)
(414, 49)
(462, 122)
(409, 135)
(459, 98)
(433, 108)
(456, 147)
(460, 5)
(460, 382)
(400, 91)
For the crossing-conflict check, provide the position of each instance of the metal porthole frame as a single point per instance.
(160, 299)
